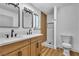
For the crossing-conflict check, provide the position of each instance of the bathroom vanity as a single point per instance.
(25, 47)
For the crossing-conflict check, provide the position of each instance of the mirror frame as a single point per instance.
(16, 6)
(23, 19)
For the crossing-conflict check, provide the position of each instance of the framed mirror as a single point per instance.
(9, 15)
(27, 18)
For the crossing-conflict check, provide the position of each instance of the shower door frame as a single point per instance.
(54, 34)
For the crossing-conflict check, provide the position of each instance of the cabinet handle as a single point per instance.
(37, 45)
(20, 53)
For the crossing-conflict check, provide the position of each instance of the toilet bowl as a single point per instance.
(67, 48)
(66, 44)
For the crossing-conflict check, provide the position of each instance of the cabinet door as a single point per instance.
(25, 50)
(15, 53)
(34, 49)
(39, 49)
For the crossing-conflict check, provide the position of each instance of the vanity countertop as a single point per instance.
(6, 41)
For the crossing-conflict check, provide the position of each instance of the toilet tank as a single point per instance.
(66, 38)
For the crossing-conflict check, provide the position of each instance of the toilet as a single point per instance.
(66, 44)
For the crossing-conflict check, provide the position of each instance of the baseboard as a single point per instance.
(74, 53)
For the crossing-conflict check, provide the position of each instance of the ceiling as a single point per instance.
(48, 8)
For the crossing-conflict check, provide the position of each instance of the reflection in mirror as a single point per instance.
(9, 15)
(27, 18)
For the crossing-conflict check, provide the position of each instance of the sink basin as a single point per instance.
(23, 36)
(5, 41)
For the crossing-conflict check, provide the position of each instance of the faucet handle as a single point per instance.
(30, 31)
(15, 34)
(7, 35)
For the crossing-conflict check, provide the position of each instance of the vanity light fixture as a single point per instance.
(14, 4)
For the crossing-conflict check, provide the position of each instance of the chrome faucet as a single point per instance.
(12, 32)
(29, 32)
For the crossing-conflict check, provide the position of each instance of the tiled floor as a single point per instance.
(51, 52)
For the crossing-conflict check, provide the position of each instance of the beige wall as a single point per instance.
(68, 23)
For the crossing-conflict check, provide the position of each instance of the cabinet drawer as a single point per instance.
(38, 38)
(14, 53)
(11, 47)
(34, 39)
(41, 38)
(24, 51)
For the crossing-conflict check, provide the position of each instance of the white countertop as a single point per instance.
(6, 41)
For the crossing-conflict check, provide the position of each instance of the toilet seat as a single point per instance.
(66, 45)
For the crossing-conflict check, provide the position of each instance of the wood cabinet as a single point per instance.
(39, 48)
(14, 53)
(36, 46)
(25, 50)
(44, 25)
(30, 47)
(34, 49)
(12, 48)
